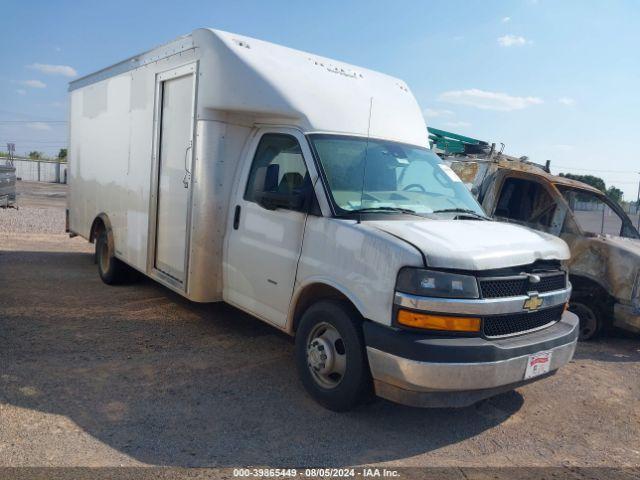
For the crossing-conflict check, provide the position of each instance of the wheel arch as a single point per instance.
(587, 287)
(582, 284)
(101, 222)
(313, 292)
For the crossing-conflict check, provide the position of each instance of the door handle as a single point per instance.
(236, 218)
(187, 174)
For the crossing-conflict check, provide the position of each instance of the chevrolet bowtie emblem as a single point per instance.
(534, 302)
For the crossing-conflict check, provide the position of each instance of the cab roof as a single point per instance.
(512, 163)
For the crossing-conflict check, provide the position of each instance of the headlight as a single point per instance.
(431, 283)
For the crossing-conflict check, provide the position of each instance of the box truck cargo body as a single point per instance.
(302, 190)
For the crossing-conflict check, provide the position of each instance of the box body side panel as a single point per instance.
(219, 150)
(111, 156)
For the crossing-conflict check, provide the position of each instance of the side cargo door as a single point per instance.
(174, 141)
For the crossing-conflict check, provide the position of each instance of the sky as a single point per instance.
(553, 80)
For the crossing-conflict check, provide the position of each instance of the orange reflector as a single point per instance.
(438, 322)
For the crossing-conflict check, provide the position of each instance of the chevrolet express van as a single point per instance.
(302, 190)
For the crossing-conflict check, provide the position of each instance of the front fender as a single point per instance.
(360, 261)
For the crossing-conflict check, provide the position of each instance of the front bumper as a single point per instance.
(425, 370)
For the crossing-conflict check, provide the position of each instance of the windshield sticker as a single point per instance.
(450, 173)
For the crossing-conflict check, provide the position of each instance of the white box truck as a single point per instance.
(302, 190)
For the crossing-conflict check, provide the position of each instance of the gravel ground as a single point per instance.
(40, 209)
(92, 375)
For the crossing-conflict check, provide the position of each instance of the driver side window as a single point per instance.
(282, 156)
(592, 214)
(527, 202)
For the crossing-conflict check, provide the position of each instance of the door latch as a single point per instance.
(187, 173)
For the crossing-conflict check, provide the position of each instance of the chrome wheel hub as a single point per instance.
(326, 355)
(320, 355)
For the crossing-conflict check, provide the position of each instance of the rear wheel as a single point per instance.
(591, 318)
(331, 356)
(112, 271)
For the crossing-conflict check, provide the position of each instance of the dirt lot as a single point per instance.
(92, 375)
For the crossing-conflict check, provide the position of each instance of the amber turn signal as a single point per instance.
(438, 322)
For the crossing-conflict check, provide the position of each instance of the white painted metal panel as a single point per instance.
(357, 259)
(214, 172)
(473, 245)
(176, 135)
(272, 83)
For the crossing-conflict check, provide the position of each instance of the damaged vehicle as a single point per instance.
(605, 246)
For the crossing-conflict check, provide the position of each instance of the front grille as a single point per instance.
(549, 283)
(515, 323)
(504, 288)
(517, 286)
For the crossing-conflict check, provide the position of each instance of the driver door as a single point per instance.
(263, 245)
(530, 203)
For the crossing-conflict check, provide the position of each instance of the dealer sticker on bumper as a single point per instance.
(537, 364)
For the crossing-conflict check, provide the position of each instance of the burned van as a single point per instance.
(605, 245)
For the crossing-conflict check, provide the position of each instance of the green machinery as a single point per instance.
(448, 144)
(454, 144)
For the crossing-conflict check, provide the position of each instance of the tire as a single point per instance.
(341, 380)
(591, 318)
(112, 271)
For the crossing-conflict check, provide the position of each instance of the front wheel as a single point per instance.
(591, 321)
(331, 356)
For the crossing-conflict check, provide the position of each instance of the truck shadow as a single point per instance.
(169, 382)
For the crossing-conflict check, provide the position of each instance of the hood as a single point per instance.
(476, 245)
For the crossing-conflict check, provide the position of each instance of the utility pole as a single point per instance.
(11, 148)
(638, 205)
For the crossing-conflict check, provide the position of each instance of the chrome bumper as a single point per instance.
(481, 306)
(450, 377)
(440, 384)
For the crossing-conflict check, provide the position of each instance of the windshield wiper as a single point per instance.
(465, 211)
(407, 211)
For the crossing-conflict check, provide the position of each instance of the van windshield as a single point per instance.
(378, 175)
